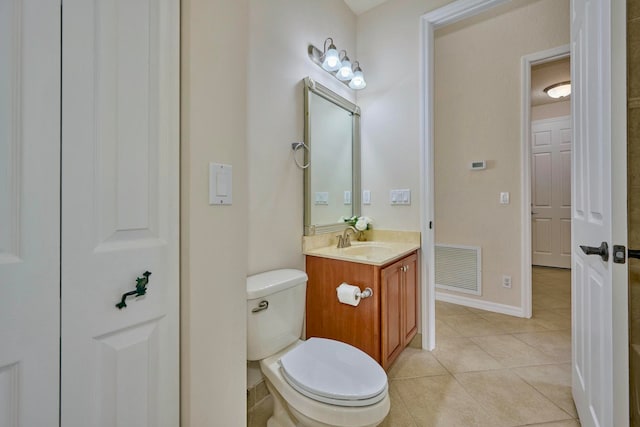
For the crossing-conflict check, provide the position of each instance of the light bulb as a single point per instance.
(358, 82)
(331, 59)
(345, 72)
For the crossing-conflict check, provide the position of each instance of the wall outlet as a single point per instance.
(506, 282)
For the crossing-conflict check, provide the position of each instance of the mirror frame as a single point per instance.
(310, 86)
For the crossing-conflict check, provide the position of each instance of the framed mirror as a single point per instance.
(332, 179)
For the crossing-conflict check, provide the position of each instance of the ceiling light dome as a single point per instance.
(559, 90)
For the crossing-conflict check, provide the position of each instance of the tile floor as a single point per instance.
(488, 369)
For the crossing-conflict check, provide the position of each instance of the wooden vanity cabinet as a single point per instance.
(381, 325)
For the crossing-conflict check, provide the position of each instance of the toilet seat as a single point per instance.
(333, 372)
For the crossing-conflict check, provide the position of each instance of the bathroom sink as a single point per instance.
(374, 253)
(368, 250)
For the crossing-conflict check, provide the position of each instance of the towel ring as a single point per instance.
(295, 146)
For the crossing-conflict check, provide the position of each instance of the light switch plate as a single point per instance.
(504, 198)
(220, 184)
(400, 197)
(366, 197)
(347, 197)
(322, 198)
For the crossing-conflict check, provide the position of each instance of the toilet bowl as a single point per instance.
(314, 383)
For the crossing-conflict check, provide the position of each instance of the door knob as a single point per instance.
(633, 253)
(141, 289)
(602, 250)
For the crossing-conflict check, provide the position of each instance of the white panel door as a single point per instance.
(29, 212)
(551, 192)
(120, 158)
(592, 356)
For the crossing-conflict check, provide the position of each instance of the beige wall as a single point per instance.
(477, 117)
(388, 46)
(214, 238)
(388, 42)
(280, 31)
(548, 111)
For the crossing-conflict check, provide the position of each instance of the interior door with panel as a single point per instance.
(120, 213)
(29, 212)
(551, 192)
(592, 211)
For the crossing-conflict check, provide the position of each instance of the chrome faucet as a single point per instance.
(344, 241)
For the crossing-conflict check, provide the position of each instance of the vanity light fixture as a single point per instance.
(338, 64)
(559, 90)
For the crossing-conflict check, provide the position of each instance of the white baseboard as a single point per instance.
(495, 307)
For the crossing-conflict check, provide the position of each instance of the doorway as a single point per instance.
(550, 165)
(550, 145)
(599, 359)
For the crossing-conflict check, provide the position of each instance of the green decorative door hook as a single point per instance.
(141, 289)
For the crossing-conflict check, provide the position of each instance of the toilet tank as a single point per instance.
(275, 311)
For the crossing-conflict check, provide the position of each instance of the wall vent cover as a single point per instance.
(459, 268)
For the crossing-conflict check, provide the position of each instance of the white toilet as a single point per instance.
(314, 383)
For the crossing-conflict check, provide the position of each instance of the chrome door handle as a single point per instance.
(602, 250)
(264, 304)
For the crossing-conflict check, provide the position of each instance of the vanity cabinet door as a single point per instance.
(399, 303)
(326, 317)
(411, 297)
(392, 312)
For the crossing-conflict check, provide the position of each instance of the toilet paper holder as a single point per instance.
(366, 293)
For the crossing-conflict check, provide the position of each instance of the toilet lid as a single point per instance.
(334, 372)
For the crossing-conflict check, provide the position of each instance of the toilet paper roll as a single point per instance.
(348, 294)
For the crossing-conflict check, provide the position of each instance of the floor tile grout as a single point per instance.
(548, 328)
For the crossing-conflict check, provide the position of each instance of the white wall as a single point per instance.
(280, 31)
(213, 238)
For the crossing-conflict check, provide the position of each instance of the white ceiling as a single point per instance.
(361, 6)
(545, 75)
